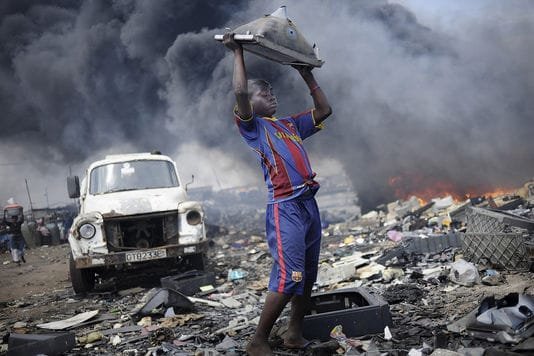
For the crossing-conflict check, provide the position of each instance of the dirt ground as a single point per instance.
(46, 270)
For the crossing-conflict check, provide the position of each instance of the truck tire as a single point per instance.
(83, 280)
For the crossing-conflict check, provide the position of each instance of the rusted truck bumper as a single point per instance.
(145, 255)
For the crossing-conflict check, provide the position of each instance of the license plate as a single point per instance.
(145, 255)
(190, 249)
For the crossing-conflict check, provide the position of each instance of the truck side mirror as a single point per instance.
(73, 186)
(191, 182)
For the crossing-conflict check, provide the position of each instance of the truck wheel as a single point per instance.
(83, 280)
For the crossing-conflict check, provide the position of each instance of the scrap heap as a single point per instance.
(414, 278)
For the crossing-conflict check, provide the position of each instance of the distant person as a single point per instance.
(293, 222)
(17, 240)
(44, 233)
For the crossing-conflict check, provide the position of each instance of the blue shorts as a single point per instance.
(294, 237)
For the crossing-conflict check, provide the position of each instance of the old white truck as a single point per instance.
(134, 216)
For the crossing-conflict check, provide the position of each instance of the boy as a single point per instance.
(293, 223)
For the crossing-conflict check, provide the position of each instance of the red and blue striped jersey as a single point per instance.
(278, 143)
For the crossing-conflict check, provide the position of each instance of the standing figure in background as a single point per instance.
(44, 233)
(17, 240)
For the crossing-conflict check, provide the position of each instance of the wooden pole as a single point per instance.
(29, 197)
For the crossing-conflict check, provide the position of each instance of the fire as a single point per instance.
(499, 192)
(428, 188)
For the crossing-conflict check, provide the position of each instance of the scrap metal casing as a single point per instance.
(276, 37)
(357, 310)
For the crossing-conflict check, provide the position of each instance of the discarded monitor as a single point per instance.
(276, 37)
(358, 311)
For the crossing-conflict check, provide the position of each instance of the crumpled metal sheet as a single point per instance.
(507, 320)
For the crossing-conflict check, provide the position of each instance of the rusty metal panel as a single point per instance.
(276, 37)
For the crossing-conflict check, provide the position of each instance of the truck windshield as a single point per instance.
(132, 175)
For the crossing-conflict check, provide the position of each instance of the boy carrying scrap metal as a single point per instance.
(293, 223)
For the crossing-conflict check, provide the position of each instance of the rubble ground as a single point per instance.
(224, 318)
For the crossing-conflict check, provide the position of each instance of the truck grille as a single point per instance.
(141, 231)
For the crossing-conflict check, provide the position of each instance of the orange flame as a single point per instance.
(428, 188)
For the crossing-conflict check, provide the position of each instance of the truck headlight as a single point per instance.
(87, 231)
(193, 217)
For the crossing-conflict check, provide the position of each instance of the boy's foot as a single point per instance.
(23, 259)
(18, 263)
(255, 348)
(297, 344)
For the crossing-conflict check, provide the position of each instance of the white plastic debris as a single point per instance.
(169, 312)
(414, 352)
(66, 323)
(442, 203)
(231, 303)
(464, 273)
(369, 271)
(387, 333)
(235, 324)
(19, 324)
(115, 340)
(389, 274)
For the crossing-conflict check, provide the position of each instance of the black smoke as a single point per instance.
(410, 99)
(77, 76)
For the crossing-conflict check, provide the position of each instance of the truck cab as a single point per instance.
(134, 215)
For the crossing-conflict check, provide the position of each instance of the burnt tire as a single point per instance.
(83, 280)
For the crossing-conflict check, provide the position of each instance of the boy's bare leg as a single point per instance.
(274, 304)
(299, 307)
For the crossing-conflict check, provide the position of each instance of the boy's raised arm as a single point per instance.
(240, 77)
(322, 107)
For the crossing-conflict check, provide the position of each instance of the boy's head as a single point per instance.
(260, 94)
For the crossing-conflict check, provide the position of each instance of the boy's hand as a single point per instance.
(304, 70)
(230, 43)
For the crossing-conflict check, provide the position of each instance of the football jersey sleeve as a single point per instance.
(247, 127)
(305, 123)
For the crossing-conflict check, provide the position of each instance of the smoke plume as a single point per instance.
(413, 99)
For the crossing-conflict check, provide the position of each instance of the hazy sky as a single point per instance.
(434, 93)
